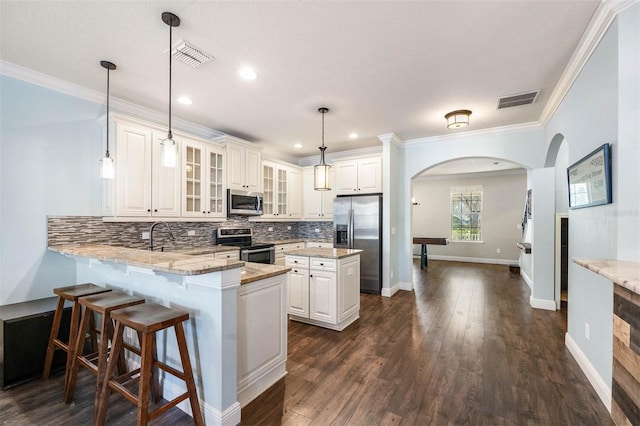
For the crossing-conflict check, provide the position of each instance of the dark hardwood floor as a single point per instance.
(464, 348)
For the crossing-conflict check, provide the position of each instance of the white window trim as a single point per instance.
(463, 189)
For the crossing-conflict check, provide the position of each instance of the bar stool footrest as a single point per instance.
(168, 405)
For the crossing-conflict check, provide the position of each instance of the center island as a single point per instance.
(237, 331)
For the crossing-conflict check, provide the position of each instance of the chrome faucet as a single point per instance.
(171, 236)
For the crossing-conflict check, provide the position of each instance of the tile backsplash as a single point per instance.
(91, 229)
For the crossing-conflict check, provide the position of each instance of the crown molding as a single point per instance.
(513, 128)
(120, 105)
(342, 155)
(602, 18)
(278, 156)
(390, 138)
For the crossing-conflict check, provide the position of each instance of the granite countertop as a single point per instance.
(331, 253)
(194, 251)
(622, 272)
(258, 271)
(172, 262)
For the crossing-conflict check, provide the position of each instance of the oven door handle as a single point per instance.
(262, 250)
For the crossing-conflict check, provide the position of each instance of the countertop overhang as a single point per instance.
(171, 262)
(625, 273)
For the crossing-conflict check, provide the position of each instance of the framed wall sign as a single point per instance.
(590, 179)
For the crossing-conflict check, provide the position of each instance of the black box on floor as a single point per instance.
(24, 335)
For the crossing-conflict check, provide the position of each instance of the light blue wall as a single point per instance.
(588, 117)
(49, 153)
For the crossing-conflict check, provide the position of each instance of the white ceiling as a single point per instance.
(380, 66)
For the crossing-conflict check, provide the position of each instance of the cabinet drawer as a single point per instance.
(323, 264)
(316, 244)
(299, 261)
(231, 255)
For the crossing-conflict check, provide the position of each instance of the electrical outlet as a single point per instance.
(586, 331)
(191, 233)
(392, 273)
(145, 235)
(288, 228)
(317, 230)
(393, 230)
(270, 229)
(497, 250)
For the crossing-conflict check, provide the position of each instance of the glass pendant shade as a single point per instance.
(321, 171)
(169, 155)
(107, 168)
(321, 177)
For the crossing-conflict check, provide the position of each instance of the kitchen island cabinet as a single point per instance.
(324, 286)
(236, 334)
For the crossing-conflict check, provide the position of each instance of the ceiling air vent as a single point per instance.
(518, 99)
(190, 55)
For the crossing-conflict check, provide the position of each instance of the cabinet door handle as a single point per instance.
(155, 210)
(148, 210)
(322, 264)
(295, 270)
(295, 261)
(310, 276)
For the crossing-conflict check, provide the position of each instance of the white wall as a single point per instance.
(501, 214)
(522, 147)
(50, 148)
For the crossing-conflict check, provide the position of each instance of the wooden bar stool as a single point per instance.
(72, 294)
(147, 319)
(103, 304)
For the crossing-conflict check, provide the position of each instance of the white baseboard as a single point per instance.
(526, 278)
(212, 416)
(508, 262)
(601, 388)
(406, 286)
(388, 292)
(548, 305)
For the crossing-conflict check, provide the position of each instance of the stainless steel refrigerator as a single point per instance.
(357, 224)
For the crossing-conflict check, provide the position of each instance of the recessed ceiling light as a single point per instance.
(247, 73)
(353, 135)
(184, 100)
(298, 146)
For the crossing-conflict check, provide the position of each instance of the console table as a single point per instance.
(423, 241)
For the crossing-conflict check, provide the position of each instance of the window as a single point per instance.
(466, 213)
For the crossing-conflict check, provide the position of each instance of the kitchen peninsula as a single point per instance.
(324, 286)
(237, 332)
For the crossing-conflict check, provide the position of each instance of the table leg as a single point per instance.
(423, 256)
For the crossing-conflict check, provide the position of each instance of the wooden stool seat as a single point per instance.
(102, 304)
(71, 293)
(147, 319)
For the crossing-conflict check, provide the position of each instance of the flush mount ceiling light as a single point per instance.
(353, 135)
(169, 156)
(185, 100)
(457, 119)
(107, 170)
(321, 171)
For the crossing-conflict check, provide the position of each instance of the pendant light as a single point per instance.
(107, 169)
(169, 156)
(321, 171)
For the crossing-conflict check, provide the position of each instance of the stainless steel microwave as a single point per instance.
(244, 203)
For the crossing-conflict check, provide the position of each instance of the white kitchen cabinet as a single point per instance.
(243, 165)
(203, 179)
(317, 204)
(228, 255)
(281, 191)
(142, 186)
(318, 244)
(282, 249)
(298, 292)
(324, 291)
(359, 176)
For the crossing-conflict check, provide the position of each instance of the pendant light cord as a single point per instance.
(170, 135)
(323, 129)
(107, 153)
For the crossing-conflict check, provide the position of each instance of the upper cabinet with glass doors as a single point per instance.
(203, 179)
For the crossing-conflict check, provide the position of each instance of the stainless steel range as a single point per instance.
(249, 252)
